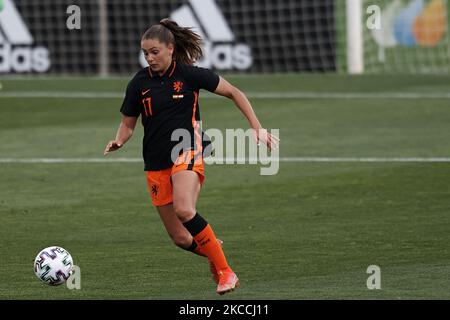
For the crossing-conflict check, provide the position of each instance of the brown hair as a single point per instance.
(187, 43)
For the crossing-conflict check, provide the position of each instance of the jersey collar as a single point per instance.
(168, 72)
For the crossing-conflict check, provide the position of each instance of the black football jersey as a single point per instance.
(166, 103)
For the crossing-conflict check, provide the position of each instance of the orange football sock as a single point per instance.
(208, 245)
(195, 249)
(198, 251)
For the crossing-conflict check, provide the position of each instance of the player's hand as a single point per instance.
(112, 146)
(262, 136)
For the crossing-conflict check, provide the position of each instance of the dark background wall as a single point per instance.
(283, 36)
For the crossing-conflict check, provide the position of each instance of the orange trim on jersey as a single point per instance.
(194, 108)
(196, 125)
(173, 69)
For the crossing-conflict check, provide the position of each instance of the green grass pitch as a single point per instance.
(309, 232)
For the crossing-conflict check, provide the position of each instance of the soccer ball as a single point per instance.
(53, 265)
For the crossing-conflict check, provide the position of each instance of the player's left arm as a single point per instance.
(226, 89)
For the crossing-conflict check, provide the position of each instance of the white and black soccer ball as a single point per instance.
(53, 265)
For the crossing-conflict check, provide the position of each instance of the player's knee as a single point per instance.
(183, 211)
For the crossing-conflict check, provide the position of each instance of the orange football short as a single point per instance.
(160, 182)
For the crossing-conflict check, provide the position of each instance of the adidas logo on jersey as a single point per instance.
(16, 51)
(220, 50)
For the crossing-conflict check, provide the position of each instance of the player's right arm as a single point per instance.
(124, 133)
(130, 113)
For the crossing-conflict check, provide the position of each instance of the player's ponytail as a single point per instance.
(186, 42)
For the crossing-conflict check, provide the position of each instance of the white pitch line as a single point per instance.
(254, 95)
(233, 160)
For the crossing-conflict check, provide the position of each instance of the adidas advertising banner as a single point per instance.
(17, 50)
(239, 36)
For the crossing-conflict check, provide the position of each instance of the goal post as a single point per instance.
(355, 50)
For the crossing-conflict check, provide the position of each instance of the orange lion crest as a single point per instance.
(177, 86)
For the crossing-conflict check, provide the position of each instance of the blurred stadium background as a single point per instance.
(363, 114)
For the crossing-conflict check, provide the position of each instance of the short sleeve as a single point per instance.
(130, 105)
(202, 78)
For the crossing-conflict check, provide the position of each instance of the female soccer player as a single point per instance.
(165, 94)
